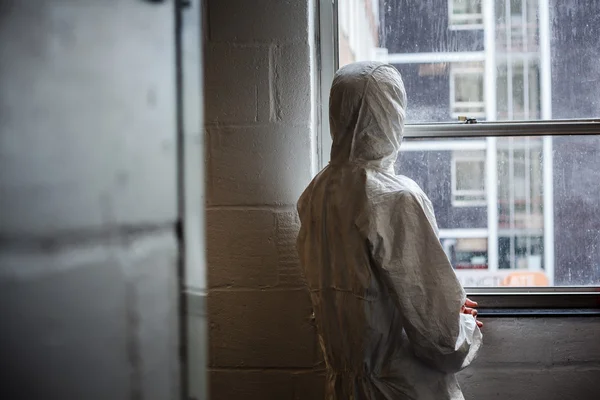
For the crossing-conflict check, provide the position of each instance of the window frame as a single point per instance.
(459, 69)
(494, 301)
(452, 19)
(455, 191)
(461, 233)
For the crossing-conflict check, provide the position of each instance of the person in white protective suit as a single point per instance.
(393, 320)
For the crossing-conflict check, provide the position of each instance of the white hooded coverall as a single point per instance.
(385, 297)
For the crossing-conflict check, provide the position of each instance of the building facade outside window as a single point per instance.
(467, 90)
(512, 211)
(465, 14)
(468, 178)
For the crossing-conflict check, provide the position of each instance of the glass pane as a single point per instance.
(516, 80)
(469, 170)
(467, 253)
(543, 228)
(465, 12)
(467, 87)
(469, 175)
(467, 6)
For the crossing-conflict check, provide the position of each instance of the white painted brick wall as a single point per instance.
(266, 384)
(257, 165)
(260, 136)
(259, 21)
(261, 329)
(243, 251)
(237, 81)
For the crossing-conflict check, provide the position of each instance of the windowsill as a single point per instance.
(538, 312)
(531, 302)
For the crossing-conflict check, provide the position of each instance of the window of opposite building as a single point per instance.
(465, 14)
(468, 178)
(515, 193)
(467, 90)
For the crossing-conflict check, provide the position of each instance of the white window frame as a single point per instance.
(499, 301)
(453, 19)
(456, 158)
(457, 69)
(523, 233)
(467, 233)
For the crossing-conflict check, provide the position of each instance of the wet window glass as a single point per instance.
(512, 211)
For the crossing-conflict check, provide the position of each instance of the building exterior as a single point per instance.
(358, 24)
(518, 211)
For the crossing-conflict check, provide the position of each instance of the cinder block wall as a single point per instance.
(259, 75)
(260, 153)
(88, 200)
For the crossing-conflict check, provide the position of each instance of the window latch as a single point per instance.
(467, 120)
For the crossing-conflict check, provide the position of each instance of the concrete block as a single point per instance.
(87, 116)
(66, 334)
(240, 384)
(266, 385)
(261, 329)
(93, 321)
(237, 84)
(293, 84)
(531, 384)
(257, 165)
(241, 248)
(309, 385)
(290, 273)
(258, 21)
(155, 315)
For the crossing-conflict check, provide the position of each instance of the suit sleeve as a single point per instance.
(424, 284)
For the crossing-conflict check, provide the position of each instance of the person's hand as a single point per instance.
(469, 308)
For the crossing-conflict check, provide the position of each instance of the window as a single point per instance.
(518, 89)
(516, 193)
(465, 14)
(466, 252)
(357, 30)
(468, 178)
(516, 25)
(520, 185)
(466, 90)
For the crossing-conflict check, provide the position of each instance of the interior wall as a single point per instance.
(549, 358)
(260, 141)
(88, 200)
(260, 152)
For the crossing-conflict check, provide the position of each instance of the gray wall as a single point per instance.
(88, 200)
(536, 359)
(260, 152)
